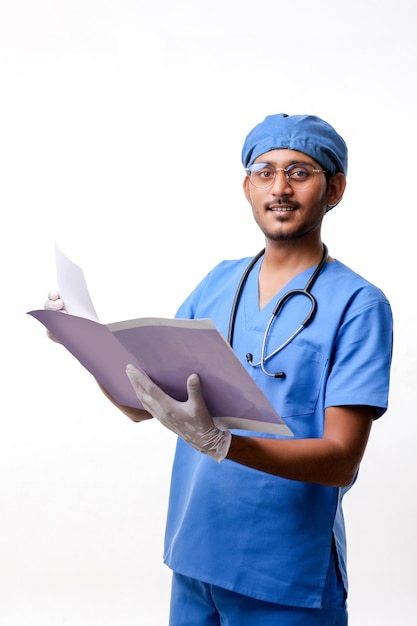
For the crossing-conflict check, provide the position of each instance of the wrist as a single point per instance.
(219, 447)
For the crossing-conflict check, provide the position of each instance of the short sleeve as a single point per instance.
(360, 368)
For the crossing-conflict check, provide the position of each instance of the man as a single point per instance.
(255, 532)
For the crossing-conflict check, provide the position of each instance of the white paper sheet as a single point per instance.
(73, 287)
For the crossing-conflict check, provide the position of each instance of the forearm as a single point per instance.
(307, 460)
(331, 460)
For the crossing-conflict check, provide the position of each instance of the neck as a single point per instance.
(282, 263)
(292, 254)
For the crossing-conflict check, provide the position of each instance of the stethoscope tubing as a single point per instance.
(306, 292)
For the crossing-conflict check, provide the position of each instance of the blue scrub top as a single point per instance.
(244, 530)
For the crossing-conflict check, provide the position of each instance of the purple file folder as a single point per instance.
(168, 350)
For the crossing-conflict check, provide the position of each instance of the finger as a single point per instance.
(139, 380)
(196, 403)
(144, 387)
(54, 305)
(152, 397)
(193, 385)
(145, 390)
(53, 295)
(51, 336)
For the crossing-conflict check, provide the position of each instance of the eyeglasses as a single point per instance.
(298, 175)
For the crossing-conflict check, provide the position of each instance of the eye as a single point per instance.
(266, 173)
(298, 172)
(261, 170)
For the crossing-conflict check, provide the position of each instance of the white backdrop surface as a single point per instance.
(93, 94)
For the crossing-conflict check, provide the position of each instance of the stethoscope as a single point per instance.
(306, 292)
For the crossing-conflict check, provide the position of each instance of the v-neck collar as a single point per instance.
(252, 304)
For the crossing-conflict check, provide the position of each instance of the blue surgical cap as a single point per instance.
(304, 133)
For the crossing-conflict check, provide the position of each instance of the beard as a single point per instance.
(284, 228)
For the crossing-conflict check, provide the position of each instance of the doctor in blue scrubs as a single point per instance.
(255, 532)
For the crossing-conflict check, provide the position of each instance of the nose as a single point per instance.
(281, 186)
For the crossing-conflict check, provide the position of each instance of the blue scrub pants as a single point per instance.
(194, 603)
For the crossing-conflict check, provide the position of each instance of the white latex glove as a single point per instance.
(189, 420)
(54, 303)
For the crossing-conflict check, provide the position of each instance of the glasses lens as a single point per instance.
(299, 175)
(261, 174)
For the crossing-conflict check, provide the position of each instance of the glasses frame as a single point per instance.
(287, 175)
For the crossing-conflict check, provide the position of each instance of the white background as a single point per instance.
(94, 93)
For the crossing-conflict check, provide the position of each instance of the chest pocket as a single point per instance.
(299, 392)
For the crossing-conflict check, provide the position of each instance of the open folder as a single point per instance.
(168, 350)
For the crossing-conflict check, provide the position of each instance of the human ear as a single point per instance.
(246, 189)
(335, 189)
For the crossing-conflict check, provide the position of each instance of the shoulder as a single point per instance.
(231, 265)
(227, 270)
(345, 281)
(219, 285)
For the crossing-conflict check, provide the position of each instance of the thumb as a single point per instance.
(193, 387)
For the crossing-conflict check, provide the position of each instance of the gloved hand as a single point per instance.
(189, 420)
(54, 303)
